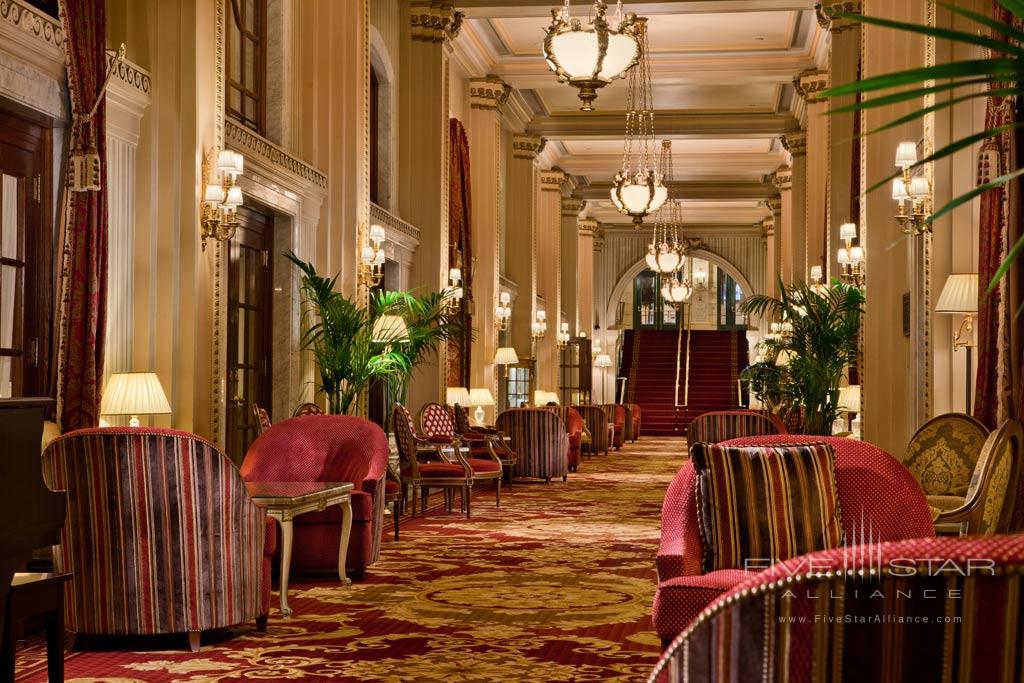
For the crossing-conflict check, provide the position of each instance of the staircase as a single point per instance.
(649, 360)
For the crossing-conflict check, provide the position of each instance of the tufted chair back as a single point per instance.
(308, 409)
(944, 452)
(437, 420)
(717, 426)
(462, 423)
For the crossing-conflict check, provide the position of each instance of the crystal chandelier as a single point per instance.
(665, 254)
(591, 58)
(638, 189)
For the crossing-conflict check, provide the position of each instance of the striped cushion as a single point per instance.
(761, 504)
(723, 425)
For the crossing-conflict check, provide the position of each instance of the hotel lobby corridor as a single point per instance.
(555, 586)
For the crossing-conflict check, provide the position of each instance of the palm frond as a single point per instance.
(945, 34)
(904, 95)
(995, 69)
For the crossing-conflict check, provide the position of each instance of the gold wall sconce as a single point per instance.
(371, 256)
(218, 213)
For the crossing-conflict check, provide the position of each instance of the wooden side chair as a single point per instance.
(441, 472)
(308, 409)
(436, 421)
(262, 418)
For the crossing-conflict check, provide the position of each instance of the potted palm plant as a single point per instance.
(818, 344)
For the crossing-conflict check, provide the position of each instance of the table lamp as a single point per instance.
(480, 397)
(960, 296)
(849, 400)
(506, 355)
(457, 396)
(134, 394)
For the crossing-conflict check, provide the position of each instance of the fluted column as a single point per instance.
(586, 229)
(485, 153)
(521, 236)
(844, 66)
(796, 248)
(772, 227)
(549, 274)
(570, 262)
(423, 160)
(783, 179)
(809, 86)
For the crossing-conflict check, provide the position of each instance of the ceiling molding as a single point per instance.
(693, 190)
(679, 124)
(542, 8)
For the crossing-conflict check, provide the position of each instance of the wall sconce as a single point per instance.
(371, 256)
(851, 257)
(595, 348)
(218, 214)
(959, 296)
(816, 284)
(700, 277)
(915, 189)
(455, 291)
(539, 328)
(503, 311)
(564, 336)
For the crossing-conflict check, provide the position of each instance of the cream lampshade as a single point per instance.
(457, 395)
(959, 294)
(506, 355)
(849, 398)
(388, 329)
(134, 394)
(480, 397)
(603, 361)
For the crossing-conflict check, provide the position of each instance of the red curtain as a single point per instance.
(460, 252)
(84, 272)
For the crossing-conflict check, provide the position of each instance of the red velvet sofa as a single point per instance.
(878, 496)
(328, 448)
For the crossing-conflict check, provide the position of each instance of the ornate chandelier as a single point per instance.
(665, 254)
(590, 58)
(638, 189)
(676, 290)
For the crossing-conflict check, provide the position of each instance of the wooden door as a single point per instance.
(249, 327)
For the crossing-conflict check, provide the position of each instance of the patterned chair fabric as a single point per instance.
(596, 420)
(717, 426)
(633, 421)
(161, 535)
(438, 422)
(878, 498)
(995, 488)
(539, 437)
(336, 448)
(447, 472)
(492, 439)
(308, 409)
(262, 419)
(617, 416)
(747, 635)
(943, 455)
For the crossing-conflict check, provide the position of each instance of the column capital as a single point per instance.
(571, 206)
(551, 180)
(527, 146)
(829, 10)
(434, 21)
(489, 92)
(588, 227)
(775, 203)
(783, 179)
(795, 142)
(810, 84)
(768, 227)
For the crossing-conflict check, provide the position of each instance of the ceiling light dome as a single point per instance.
(676, 291)
(590, 58)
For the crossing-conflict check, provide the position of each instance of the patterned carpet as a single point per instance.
(555, 586)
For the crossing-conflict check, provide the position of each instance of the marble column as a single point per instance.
(549, 275)
(603, 390)
(486, 96)
(844, 66)
(570, 259)
(521, 237)
(785, 229)
(586, 230)
(772, 226)
(423, 161)
(796, 144)
(809, 86)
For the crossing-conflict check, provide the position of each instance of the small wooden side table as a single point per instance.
(35, 595)
(286, 500)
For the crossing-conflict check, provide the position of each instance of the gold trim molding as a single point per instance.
(434, 21)
(795, 142)
(527, 146)
(32, 22)
(489, 92)
(810, 84)
(266, 150)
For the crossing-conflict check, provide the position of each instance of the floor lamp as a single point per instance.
(603, 361)
(960, 296)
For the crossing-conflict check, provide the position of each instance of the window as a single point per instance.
(247, 63)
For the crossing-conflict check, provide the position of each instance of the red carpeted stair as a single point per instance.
(649, 360)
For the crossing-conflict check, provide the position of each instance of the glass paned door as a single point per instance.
(649, 309)
(12, 283)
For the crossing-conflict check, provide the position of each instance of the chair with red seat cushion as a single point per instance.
(573, 423)
(719, 425)
(632, 421)
(617, 416)
(481, 439)
(161, 534)
(930, 609)
(538, 436)
(448, 473)
(327, 448)
(438, 422)
(877, 496)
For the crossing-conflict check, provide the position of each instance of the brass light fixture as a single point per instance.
(915, 190)
(218, 214)
(503, 311)
(455, 293)
(638, 189)
(371, 256)
(851, 257)
(591, 58)
(665, 254)
(539, 328)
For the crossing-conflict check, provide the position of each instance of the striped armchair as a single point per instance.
(596, 420)
(573, 422)
(540, 439)
(900, 618)
(721, 425)
(161, 535)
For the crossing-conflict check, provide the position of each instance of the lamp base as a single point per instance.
(479, 416)
(134, 422)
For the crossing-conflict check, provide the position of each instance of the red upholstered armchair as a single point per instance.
(877, 496)
(328, 448)
(538, 436)
(596, 420)
(633, 421)
(151, 513)
(720, 425)
(573, 422)
(957, 600)
(617, 416)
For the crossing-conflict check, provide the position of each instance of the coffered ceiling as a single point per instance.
(722, 81)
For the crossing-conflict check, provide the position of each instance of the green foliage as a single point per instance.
(1000, 74)
(339, 334)
(822, 343)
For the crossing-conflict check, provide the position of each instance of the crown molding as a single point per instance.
(679, 124)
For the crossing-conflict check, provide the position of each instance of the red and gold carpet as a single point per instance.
(555, 586)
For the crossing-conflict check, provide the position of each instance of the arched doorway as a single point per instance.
(713, 305)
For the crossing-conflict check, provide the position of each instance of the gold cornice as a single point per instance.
(810, 84)
(265, 149)
(768, 227)
(783, 178)
(526, 146)
(571, 206)
(775, 204)
(552, 180)
(795, 142)
(489, 92)
(828, 11)
(588, 227)
(32, 22)
(434, 21)
(132, 75)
